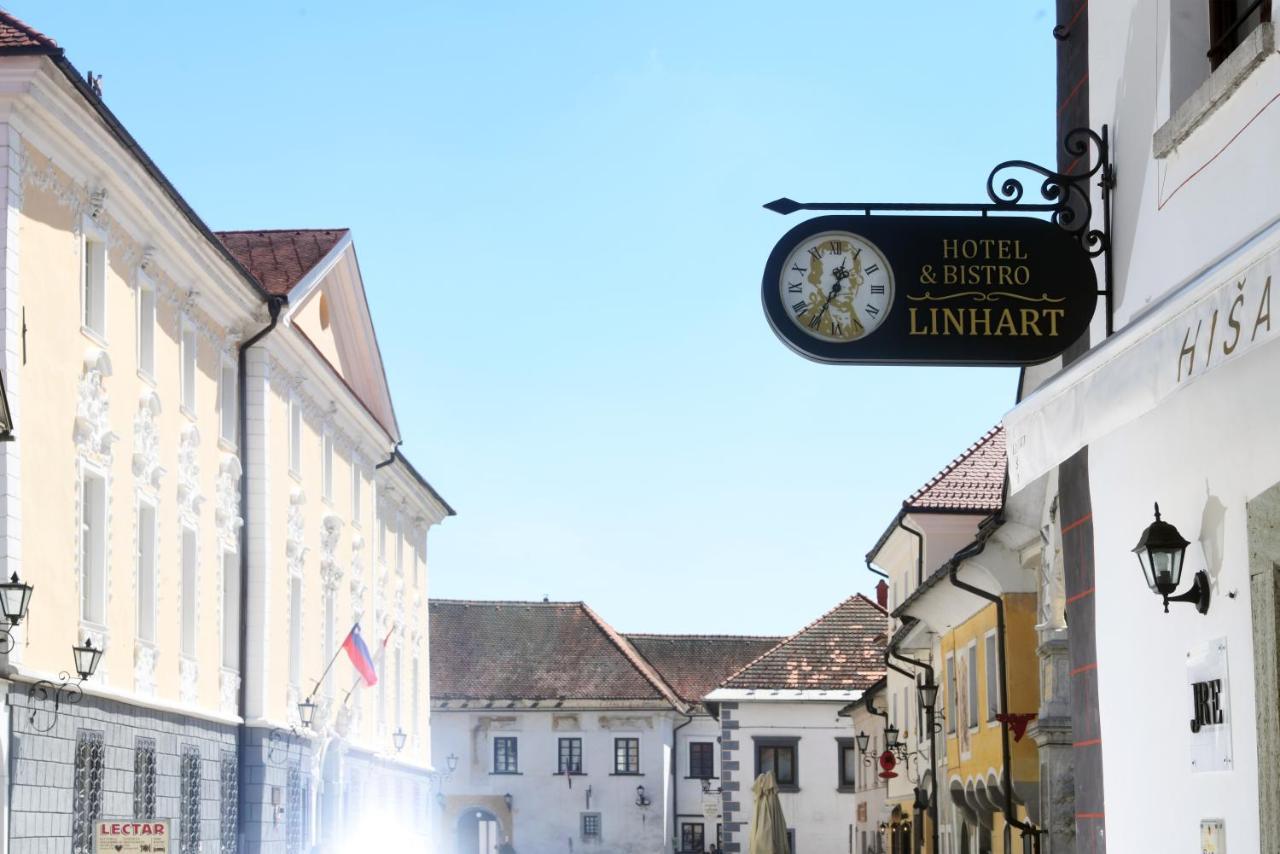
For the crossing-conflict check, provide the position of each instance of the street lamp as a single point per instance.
(891, 736)
(1161, 551)
(306, 712)
(451, 762)
(398, 737)
(928, 695)
(508, 800)
(863, 740)
(86, 658)
(14, 597)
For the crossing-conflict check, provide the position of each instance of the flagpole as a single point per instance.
(341, 646)
(359, 679)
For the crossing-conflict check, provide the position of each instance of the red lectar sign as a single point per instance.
(132, 837)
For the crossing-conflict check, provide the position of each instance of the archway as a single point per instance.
(478, 832)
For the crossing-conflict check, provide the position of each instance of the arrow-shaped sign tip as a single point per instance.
(783, 206)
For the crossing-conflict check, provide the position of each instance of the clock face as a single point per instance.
(836, 286)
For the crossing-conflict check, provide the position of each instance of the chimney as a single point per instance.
(882, 595)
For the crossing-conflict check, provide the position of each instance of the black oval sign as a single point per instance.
(929, 290)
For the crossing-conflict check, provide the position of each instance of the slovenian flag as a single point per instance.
(359, 655)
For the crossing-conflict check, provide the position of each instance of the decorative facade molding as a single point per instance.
(93, 434)
(189, 679)
(295, 546)
(190, 497)
(228, 691)
(227, 506)
(146, 442)
(330, 571)
(357, 577)
(145, 655)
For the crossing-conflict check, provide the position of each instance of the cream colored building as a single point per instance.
(204, 482)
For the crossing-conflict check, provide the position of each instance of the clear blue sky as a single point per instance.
(557, 212)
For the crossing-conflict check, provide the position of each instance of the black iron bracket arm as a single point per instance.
(63, 692)
(1067, 198)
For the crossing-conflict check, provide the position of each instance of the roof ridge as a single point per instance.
(789, 638)
(43, 41)
(954, 464)
(637, 660)
(679, 636)
(872, 603)
(435, 601)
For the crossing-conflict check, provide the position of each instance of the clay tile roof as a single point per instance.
(973, 481)
(534, 651)
(843, 650)
(15, 36)
(695, 664)
(280, 258)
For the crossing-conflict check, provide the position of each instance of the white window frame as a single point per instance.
(398, 669)
(189, 365)
(93, 240)
(330, 618)
(952, 692)
(295, 632)
(357, 490)
(399, 546)
(144, 295)
(145, 583)
(295, 436)
(189, 620)
(229, 641)
(971, 650)
(93, 549)
(991, 693)
(228, 402)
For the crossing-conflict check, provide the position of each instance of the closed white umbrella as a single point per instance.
(768, 824)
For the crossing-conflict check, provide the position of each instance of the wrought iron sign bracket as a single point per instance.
(1067, 199)
(64, 692)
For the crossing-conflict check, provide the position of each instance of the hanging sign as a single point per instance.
(929, 290)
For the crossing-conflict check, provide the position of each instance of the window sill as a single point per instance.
(626, 774)
(571, 773)
(93, 335)
(847, 789)
(1222, 83)
(691, 777)
(227, 445)
(506, 773)
(147, 377)
(187, 411)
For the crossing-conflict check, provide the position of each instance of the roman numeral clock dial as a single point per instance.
(836, 286)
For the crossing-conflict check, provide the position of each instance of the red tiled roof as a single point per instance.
(973, 481)
(695, 664)
(17, 36)
(842, 650)
(280, 258)
(534, 651)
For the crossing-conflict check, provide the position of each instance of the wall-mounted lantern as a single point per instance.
(891, 736)
(306, 712)
(451, 762)
(14, 598)
(863, 741)
(928, 695)
(398, 738)
(87, 658)
(1161, 551)
(508, 800)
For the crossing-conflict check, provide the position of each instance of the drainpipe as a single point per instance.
(876, 571)
(1010, 815)
(390, 457)
(675, 782)
(933, 750)
(902, 523)
(889, 664)
(274, 305)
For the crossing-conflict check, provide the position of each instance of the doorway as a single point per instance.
(478, 832)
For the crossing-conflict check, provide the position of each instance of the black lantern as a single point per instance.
(14, 596)
(451, 762)
(928, 694)
(508, 800)
(863, 741)
(306, 712)
(86, 658)
(6, 417)
(398, 737)
(1161, 551)
(891, 736)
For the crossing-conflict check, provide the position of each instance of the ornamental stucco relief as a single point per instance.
(295, 545)
(227, 502)
(190, 498)
(93, 435)
(146, 441)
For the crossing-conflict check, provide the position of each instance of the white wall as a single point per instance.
(690, 800)
(821, 815)
(546, 812)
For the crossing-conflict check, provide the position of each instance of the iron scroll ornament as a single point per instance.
(1067, 198)
(64, 692)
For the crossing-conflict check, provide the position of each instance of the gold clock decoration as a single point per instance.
(836, 286)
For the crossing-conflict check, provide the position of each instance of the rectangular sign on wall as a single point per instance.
(128, 836)
(1213, 836)
(1209, 702)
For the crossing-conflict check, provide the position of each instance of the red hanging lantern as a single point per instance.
(887, 762)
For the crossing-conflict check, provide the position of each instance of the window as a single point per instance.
(692, 837)
(702, 763)
(295, 632)
(951, 693)
(87, 802)
(144, 778)
(382, 538)
(146, 327)
(230, 611)
(189, 348)
(93, 304)
(972, 652)
(993, 678)
(791, 840)
(188, 608)
(849, 762)
(189, 806)
(570, 757)
(326, 463)
(413, 721)
(400, 550)
(230, 796)
(330, 629)
(295, 436)
(505, 760)
(93, 548)
(1229, 25)
(779, 756)
(399, 687)
(626, 756)
(591, 826)
(146, 568)
(227, 402)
